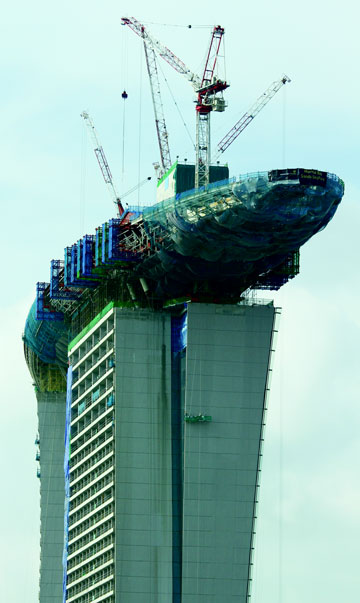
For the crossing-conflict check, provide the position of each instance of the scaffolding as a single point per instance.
(210, 243)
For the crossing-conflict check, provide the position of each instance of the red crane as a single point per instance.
(207, 88)
(208, 101)
(209, 92)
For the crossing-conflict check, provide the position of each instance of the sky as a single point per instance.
(56, 61)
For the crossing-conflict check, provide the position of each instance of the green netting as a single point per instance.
(48, 339)
(236, 231)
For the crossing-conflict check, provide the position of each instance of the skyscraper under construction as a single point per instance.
(161, 398)
(150, 359)
(166, 413)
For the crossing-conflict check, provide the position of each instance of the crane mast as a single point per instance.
(206, 88)
(209, 90)
(208, 101)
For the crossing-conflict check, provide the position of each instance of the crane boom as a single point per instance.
(207, 89)
(212, 56)
(163, 51)
(245, 120)
(161, 130)
(102, 161)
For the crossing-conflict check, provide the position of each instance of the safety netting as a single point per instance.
(48, 340)
(238, 229)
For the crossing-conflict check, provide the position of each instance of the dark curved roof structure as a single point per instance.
(45, 349)
(211, 244)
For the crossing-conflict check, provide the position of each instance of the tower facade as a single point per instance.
(90, 467)
(165, 412)
(51, 425)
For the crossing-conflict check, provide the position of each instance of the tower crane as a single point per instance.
(164, 52)
(151, 47)
(208, 101)
(161, 130)
(247, 118)
(104, 166)
(208, 88)
(102, 161)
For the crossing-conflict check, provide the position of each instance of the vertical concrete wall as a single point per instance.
(51, 416)
(177, 424)
(143, 522)
(226, 370)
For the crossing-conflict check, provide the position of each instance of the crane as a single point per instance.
(206, 87)
(207, 102)
(102, 161)
(164, 52)
(151, 46)
(247, 118)
(104, 166)
(161, 130)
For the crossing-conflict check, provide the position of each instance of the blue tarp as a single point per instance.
(178, 333)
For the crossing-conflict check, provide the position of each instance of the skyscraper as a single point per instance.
(164, 398)
(165, 443)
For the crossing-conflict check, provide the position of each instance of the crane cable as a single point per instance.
(176, 105)
(284, 128)
(124, 97)
(124, 64)
(140, 129)
(177, 25)
(82, 199)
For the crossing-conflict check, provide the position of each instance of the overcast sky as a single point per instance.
(59, 59)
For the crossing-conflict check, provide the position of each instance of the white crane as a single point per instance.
(161, 130)
(247, 118)
(104, 166)
(207, 88)
(209, 91)
(102, 161)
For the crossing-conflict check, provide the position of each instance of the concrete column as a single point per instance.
(227, 361)
(51, 415)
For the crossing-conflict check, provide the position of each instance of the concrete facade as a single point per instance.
(227, 361)
(165, 444)
(51, 417)
(91, 521)
(143, 457)
(120, 520)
